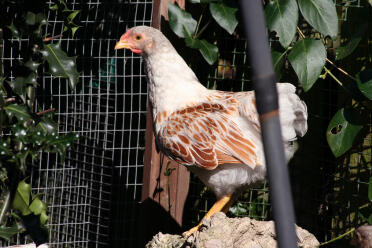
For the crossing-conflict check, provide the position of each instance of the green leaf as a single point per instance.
(15, 32)
(20, 112)
(364, 82)
(37, 206)
(278, 61)
(307, 58)
(224, 15)
(370, 219)
(32, 65)
(43, 218)
(343, 129)
(19, 84)
(5, 148)
(347, 49)
(54, 7)
(21, 199)
(344, 51)
(40, 18)
(74, 29)
(47, 126)
(72, 16)
(60, 64)
(208, 50)
(321, 14)
(30, 18)
(239, 209)
(180, 21)
(370, 189)
(8, 232)
(282, 17)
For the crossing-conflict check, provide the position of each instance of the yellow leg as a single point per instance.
(222, 205)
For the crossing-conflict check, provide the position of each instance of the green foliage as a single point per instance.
(8, 232)
(307, 59)
(185, 26)
(208, 51)
(343, 129)
(180, 21)
(365, 83)
(347, 49)
(224, 15)
(282, 17)
(321, 14)
(25, 130)
(278, 60)
(60, 64)
(68, 16)
(26, 203)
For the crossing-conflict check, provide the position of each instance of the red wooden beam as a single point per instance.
(163, 195)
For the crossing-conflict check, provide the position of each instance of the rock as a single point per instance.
(363, 237)
(221, 231)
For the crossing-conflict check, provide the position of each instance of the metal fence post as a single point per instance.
(263, 78)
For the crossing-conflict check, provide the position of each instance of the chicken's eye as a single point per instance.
(138, 37)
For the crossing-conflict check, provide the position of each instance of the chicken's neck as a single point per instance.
(172, 84)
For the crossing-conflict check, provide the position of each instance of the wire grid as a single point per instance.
(344, 6)
(92, 195)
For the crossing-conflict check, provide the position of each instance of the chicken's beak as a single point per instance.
(122, 44)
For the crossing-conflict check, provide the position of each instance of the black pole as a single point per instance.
(264, 83)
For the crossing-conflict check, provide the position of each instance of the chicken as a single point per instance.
(215, 134)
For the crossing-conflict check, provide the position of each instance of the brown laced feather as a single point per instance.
(205, 135)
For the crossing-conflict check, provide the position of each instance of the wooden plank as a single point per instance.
(163, 196)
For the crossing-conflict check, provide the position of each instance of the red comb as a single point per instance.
(126, 35)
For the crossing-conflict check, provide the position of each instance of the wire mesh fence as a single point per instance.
(93, 195)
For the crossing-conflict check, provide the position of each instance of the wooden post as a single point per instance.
(165, 183)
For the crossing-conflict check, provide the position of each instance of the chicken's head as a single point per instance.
(139, 39)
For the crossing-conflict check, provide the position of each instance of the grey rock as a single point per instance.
(221, 231)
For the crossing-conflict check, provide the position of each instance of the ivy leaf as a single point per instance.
(307, 59)
(278, 61)
(8, 232)
(343, 129)
(60, 64)
(180, 21)
(21, 199)
(19, 111)
(224, 15)
(321, 14)
(364, 82)
(282, 17)
(207, 50)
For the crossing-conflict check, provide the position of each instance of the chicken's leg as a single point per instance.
(222, 205)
